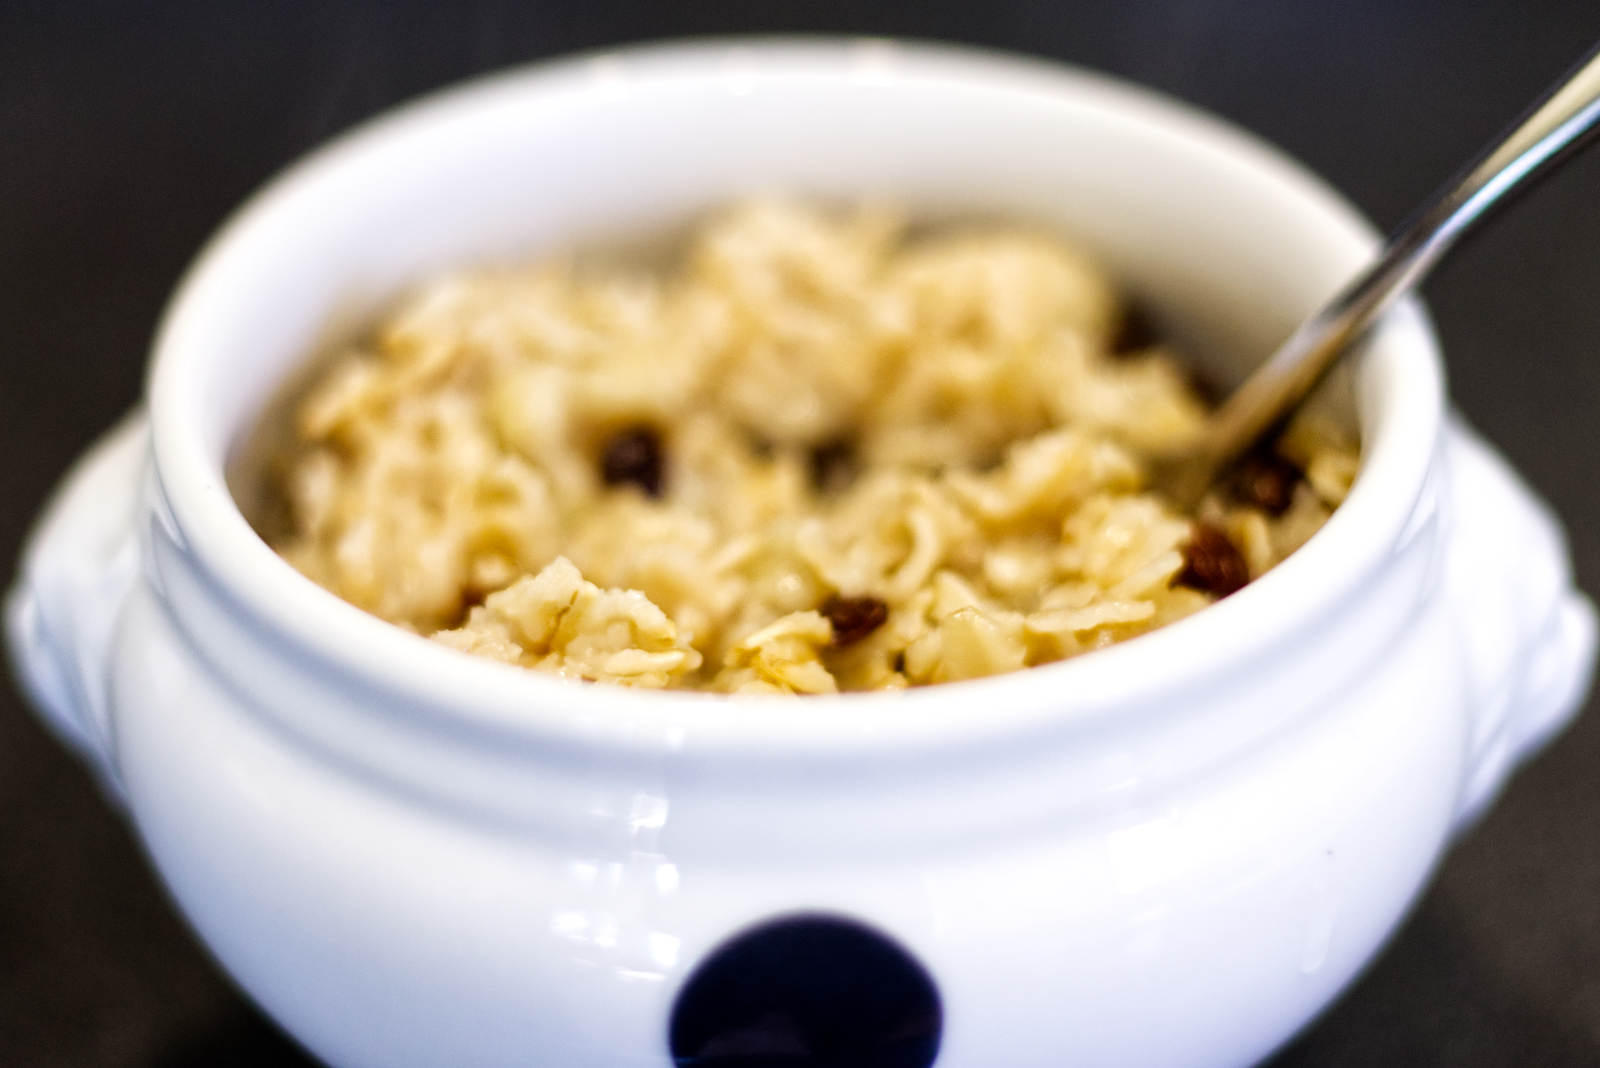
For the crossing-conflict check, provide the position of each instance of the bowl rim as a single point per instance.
(453, 690)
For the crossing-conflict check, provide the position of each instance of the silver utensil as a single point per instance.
(1563, 120)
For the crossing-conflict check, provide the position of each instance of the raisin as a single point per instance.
(1203, 386)
(1266, 481)
(833, 464)
(854, 618)
(633, 458)
(1211, 563)
(1136, 332)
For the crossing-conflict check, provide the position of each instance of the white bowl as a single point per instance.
(1174, 851)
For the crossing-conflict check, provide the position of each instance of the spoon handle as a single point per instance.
(1565, 118)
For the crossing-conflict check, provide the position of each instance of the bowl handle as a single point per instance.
(1527, 634)
(79, 566)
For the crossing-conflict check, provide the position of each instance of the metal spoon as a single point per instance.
(1564, 119)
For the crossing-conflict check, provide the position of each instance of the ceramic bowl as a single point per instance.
(1171, 852)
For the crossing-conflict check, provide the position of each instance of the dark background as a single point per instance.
(127, 131)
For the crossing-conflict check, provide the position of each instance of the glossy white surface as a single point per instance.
(1172, 852)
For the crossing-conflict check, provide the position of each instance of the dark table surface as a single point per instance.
(127, 131)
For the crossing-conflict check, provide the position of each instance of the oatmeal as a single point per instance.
(816, 455)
